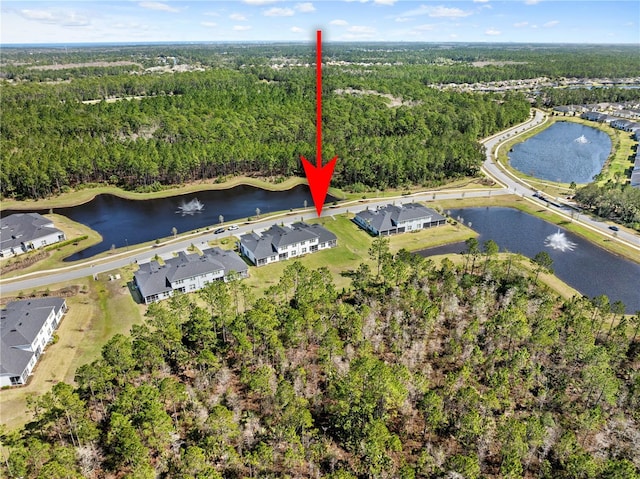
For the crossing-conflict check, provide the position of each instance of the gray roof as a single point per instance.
(388, 217)
(228, 259)
(323, 234)
(267, 244)
(20, 323)
(23, 228)
(635, 178)
(152, 278)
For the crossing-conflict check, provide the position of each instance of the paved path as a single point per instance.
(511, 185)
(520, 187)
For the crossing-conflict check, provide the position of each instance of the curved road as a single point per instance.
(511, 185)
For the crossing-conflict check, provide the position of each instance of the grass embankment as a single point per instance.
(103, 308)
(510, 201)
(353, 249)
(55, 256)
(84, 195)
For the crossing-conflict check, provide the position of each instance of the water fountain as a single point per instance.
(190, 208)
(581, 139)
(559, 241)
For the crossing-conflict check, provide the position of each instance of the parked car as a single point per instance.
(233, 227)
(614, 228)
(219, 230)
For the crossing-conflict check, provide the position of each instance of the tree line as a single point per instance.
(202, 125)
(614, 201)
(419, 370)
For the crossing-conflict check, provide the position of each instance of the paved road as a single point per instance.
(511, 185)
(522, 188)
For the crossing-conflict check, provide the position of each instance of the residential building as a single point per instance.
(22, 232)
(26, 327)
(187, 273)
(279, 243)
(392, 219)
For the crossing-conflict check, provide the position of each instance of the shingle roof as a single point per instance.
(267, 244)
(323, 234)
(152, 278)
(228, 259)
(388, 217)
(24, 227)
(189, 265)
(20, 324)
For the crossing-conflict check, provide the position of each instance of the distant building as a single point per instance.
(393, 219)
(280, 243)
(24, 232)
(26, 327)
(593, 116)
(187, 273)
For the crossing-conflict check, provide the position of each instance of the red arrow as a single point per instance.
(319, 176)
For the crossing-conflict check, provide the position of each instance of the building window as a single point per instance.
(283, 256)
(15, 380)
(323, 245)
(304, 250)
(273, 258)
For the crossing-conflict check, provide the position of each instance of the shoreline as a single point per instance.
(82, 196)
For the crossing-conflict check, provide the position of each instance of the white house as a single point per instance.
(279, 243)
(26, 327)
(22, 232)
(393, 219)
(187, 273)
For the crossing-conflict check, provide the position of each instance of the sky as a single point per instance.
(539, 21)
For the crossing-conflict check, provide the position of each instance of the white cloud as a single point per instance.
(339, 22)
(361, 29)
(492, 31)
(297, 30)
(377, 2)
(306, 7)
(211, 14)
(437, 12)
(520, 24)
(163, 7)
(57, 17)
(238, 17)
(424, 28)
(279, 12)
(532, 2)
(260, 2)
(480, 1)
(209, 24)
(550, 24)
(241, 28)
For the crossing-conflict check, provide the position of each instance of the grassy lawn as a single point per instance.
(102, 309)
(353, 249)
(71, 230)
(511, 201)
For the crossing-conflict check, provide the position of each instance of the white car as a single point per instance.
(233, 227)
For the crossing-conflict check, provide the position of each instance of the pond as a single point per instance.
(123, 222)
(564, 152)
(579, 263)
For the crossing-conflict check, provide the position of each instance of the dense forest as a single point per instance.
(201, 125)
(617, 202)
(420, 370)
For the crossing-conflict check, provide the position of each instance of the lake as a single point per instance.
(123, 222)
(564, 152)
(585, 266)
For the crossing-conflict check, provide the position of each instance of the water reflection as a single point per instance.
(587, 267)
